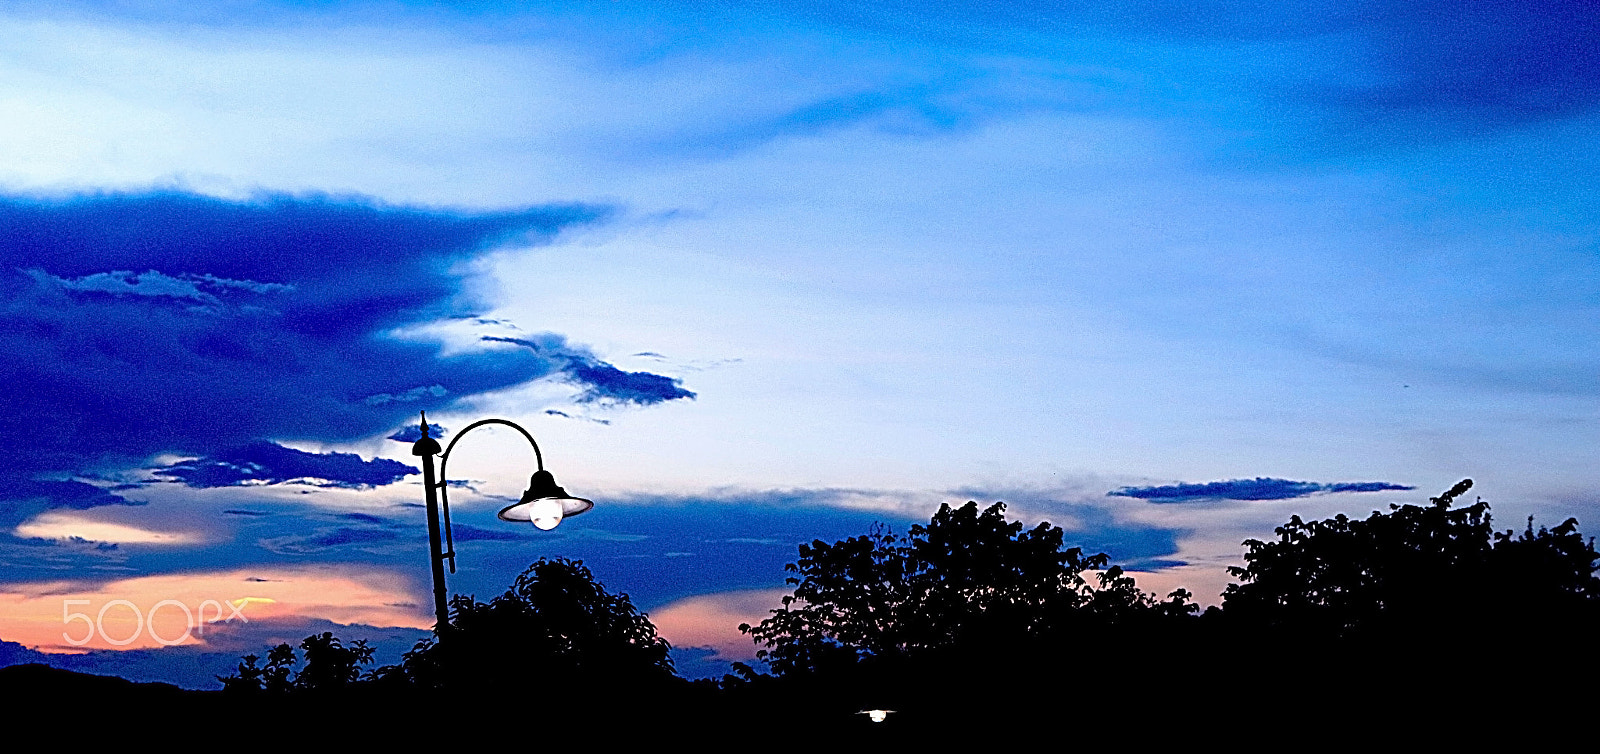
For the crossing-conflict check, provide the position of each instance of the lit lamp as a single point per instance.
(544, 503)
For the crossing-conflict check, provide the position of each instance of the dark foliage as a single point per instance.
(973, 613)
(1426, 604)
(1428, 568)
(1379, 622)
(968, 579)
(556, 625)
(331, 666)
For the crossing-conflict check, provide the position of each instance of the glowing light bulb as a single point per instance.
(546, 513)
(876, 715)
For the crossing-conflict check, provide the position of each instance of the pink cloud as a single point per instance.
(712, 620)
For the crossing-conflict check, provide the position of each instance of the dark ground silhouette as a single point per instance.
(1422, 619)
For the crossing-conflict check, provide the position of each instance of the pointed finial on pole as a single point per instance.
(425, 445)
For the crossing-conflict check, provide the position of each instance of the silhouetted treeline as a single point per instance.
(1419, 607)
(974, 623)
(556, 628)
(973, 615)
(1417, 568)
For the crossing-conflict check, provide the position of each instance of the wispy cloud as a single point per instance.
(152, 283)
(1483, 65)
(76, 528)
(270, 463)
(601, 382)
(328, 539)
(565, 415)
(1260, 488)
(604, 383)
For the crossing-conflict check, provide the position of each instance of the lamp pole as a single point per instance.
(427, 448)
(544, 503)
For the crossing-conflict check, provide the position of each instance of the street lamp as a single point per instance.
(544, 504)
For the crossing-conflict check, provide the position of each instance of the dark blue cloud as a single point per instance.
(413, 432)
(164, 322)
(1260, 488)
(1092, 526)
(365, 518)
(1366, 487)
(524, 342)
(602, 382)
(605, 383)
(270, 463)
(22, 498)
(62, 494)
(940, 104)
(135, 324)
(327, 539)
(468, 533)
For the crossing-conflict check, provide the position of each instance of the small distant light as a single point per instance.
(876, 715)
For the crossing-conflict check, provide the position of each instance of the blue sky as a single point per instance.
(758, 273)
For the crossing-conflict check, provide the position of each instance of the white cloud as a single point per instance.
(69, 526)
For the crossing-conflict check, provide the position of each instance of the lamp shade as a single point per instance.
(545, 503)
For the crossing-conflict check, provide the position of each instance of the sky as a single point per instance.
(754, 274)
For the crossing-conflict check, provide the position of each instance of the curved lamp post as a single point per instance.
(544, 504)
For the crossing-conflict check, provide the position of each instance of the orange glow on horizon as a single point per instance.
(46, 615)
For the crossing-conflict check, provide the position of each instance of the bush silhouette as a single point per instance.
(555, 625)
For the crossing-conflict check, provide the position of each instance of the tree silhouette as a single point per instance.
(1415, 567)
(1421, 603)
(276, 678)
(331, 666)
(968, 579)
(556, 624)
